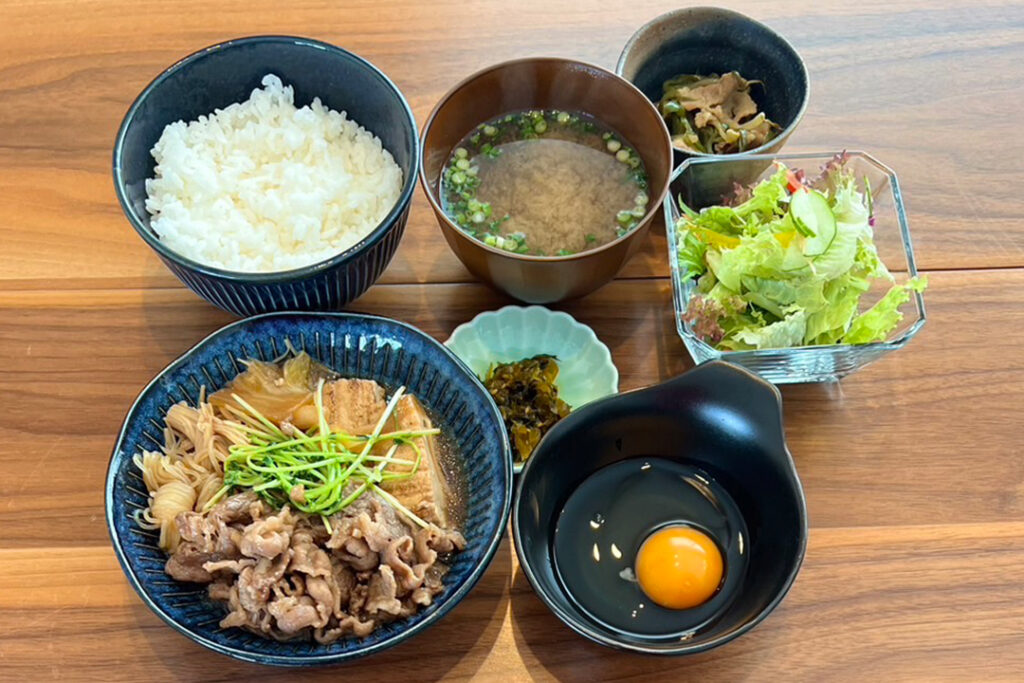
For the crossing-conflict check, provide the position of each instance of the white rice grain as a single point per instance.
(263, 186)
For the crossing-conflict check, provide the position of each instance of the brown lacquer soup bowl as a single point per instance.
(545, 84)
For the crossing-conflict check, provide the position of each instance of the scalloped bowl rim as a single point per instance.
(464, 329)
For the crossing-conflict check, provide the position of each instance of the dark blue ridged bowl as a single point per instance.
(220, 75)
(387, 351)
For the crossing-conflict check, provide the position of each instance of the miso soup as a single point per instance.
(544, 183)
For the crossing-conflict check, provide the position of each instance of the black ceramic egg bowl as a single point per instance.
(718, 417)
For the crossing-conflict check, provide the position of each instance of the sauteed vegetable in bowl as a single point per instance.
(724, 83)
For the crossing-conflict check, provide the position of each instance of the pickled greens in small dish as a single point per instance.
(789, 263)
(527, 396)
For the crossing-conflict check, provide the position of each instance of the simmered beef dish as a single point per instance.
(311, 506)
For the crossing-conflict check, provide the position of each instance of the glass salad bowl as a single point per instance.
(708, 181)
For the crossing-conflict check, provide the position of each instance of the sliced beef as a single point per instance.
(434, 539)
(284, 576)
(255, 583)
(345, 581)
(268, 537)
(233, 566)
(357, 596)
(307, 557)
(325, 596)
(363, 530)
(259, 621)
(241, 507)
(220, 590)
(186, 564)
(397, 557)
(388, 522)
(347, 626)
(382, 593)
(421, 596)
(293, 614)
(350, 545)
(210, 538)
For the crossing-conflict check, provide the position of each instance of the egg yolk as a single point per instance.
(679, 567)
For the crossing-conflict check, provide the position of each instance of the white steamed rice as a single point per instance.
(263, 186)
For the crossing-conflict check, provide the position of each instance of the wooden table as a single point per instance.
(913, 468)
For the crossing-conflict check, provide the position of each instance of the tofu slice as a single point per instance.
(426, 492)
(355, 405)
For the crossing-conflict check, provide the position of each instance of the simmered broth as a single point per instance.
(545, 183)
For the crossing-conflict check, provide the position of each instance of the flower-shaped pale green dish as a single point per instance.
(586, 371)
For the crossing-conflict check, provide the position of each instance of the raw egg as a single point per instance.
(651, 547)
(679, 567)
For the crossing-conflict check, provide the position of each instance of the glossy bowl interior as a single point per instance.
(223, 74)
(390, 352)
(702, 182)
(719, 417)
(705, 40)
(544, 83)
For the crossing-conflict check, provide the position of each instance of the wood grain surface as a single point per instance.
(913, 468)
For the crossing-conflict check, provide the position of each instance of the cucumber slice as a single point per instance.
(810, 209)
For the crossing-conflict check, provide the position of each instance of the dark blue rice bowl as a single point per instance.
(223, 74)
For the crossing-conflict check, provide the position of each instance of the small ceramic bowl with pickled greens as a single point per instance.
(538, 365)
(799, 267)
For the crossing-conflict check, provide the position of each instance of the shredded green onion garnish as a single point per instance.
(317, 471)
